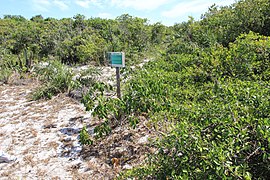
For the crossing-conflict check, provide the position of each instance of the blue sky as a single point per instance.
(167, 12)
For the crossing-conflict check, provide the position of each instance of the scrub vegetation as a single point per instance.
(205, 90)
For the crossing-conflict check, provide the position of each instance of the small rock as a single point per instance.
(143, 140)
(5, 158)
(121, 149)
(127, 166)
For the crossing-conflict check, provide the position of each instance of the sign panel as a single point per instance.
(116, 59)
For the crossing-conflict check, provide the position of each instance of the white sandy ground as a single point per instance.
(40, 134)
(43, 136)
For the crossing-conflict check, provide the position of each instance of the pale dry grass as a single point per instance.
(24, 113)
(33, 132)
(29, 160)
(2, 110)
(37, 142)
(30, 150)
(49, 123)
(6, 173)
(52, 145)
(56, 178)
(41, 173)
(46, 161)
(27, 151)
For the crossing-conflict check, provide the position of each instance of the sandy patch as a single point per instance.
(44, 137)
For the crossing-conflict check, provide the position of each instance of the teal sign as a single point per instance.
(116, 59)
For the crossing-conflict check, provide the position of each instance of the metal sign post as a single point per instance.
(117, 60)
(118, 83)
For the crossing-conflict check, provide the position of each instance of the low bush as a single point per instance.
(8, 65)
(218, 105)
(85, 137)
(57, 78)
(223, 132)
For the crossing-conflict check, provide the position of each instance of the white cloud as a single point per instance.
(84, 4)
(63, 5)
(41, 5)
(45, 5)
(140, 4)
(105, 15)
(225, 3)
(87, 3)
(193, 7)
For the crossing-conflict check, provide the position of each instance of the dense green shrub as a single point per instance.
(76, 40)
(223, 132)
(218, 103)
(221, 25)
